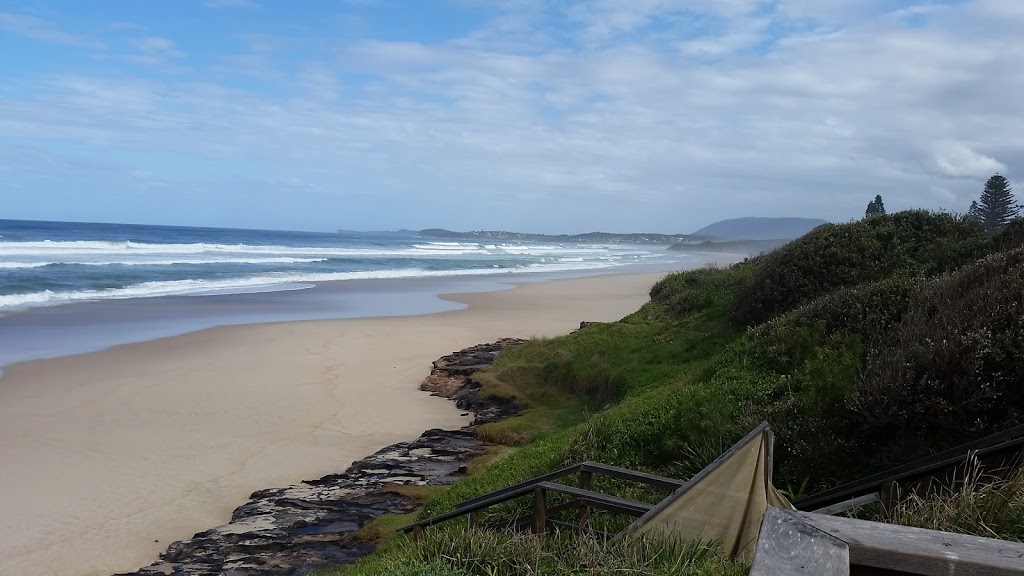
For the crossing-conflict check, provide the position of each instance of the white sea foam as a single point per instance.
(75, 251)
(258, 283)
(16, 265)
(167, 262)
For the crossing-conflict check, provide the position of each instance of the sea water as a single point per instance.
(69, 287)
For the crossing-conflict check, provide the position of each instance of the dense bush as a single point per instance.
(1010, 237)
(683, 293)
(869, 310)
(954, 367)
(829, 257)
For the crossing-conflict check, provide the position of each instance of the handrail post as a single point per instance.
(474, 519)
(417, 533)
(540, 511)
(584, 509)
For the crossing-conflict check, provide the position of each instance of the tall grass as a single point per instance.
(461, 552)
(989, 505)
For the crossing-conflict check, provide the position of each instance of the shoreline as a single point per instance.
(156, 440)
(52, 332)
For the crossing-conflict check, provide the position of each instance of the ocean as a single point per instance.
(69, 287)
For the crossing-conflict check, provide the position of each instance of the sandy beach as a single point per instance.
(107, 457)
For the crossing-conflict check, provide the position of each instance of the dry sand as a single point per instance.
(105, 458)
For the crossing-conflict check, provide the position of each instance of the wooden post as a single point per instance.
(474, 519)
(417, 533)
(584, 509)
(540, 511)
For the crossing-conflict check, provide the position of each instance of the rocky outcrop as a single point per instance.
(452, 377)
(310, 526)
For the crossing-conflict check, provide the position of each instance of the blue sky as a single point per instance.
(533, 115)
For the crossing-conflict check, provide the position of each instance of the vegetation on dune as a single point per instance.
(864, 344)
(834, 256)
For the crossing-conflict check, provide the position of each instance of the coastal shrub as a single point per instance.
(953, 369)
(683, 293)
(1011, 236)
(510, 432)
(915, 242)
(799, 381)
(869, 310)
(603, 363)
(654, 430)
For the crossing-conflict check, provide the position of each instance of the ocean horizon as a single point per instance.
(71, 287)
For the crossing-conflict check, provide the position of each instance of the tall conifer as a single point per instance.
(996, 206)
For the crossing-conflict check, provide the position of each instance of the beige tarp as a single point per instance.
(724, 502)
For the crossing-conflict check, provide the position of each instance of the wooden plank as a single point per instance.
(540, 510)
(788, 545)
(632, 475)
(572, 527)
(1004, 440)
(524, 521)
(497, 499)
(595, 499)
(584, 509)
(598, 500)
(919, 551)
(516, 487)
(848, 505)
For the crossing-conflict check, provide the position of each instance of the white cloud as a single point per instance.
(229, 3)
(958, 160)
(631, 132)
(42, 30)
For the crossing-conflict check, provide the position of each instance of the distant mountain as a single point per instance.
(752, 228)
(602, 237)
(749, 247)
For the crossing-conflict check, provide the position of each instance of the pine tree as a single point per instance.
(996, 206)
(875, 207)
(974, 211)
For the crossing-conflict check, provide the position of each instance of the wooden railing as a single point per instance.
(584, 498)
(819, 545)
(864, 490)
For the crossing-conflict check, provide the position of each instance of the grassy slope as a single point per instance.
(806, 337)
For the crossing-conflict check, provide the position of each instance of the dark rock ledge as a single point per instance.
(310, 526)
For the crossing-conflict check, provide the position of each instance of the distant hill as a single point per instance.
(753, 228)
(602, 237)
(749, 247)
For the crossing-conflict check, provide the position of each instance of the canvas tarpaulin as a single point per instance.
(725, 502)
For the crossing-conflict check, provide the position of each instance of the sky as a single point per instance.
(560, 116)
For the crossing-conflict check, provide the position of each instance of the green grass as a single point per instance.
(455, 551)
